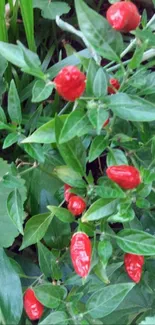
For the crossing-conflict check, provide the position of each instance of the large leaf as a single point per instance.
(41, 91)
(98, 145)
(136, 242)
(107, 299)
(76, 124)
(73, 152)
(132, 108)
(98, 32)
(69, 176)
(61, 213)
(11, 299)
(100, 209)
(36, 228)
(15, 209)
(45, 259)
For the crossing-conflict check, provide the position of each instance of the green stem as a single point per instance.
(28, 170)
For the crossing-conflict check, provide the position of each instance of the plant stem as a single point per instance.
(29, 169)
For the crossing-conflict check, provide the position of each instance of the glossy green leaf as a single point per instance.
(116, 157)
(11, 298)
(92, 70)
(100, 209)
(35, 229)
(98, 32)
(132, 108)
(136, 242)
(61, 213)
(98, 116)
(109, 190)
(107, 299)
(69, 176)
(125, 216)
(45, 259)
(28, 20)
(10, 140)
(55, 317)
(15, 209)
(72, 152)
(14, 108)
(76, 124)
(105, 251)
(98, 146)
(50, 295)
(41, 91)
(100, 84)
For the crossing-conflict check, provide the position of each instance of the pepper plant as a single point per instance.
(77, 166)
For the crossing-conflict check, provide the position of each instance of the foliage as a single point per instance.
(47, 142)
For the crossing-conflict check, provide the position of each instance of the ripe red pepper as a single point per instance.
(70, 83)
(81, 251)
(127, 177)
(123, 16)
(34, 309)
(76, 205)
(133, 265)
(106, 122)
(67, 193)
(114, 83)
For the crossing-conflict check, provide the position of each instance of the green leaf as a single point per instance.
(53, 9)
(72, 152)
(35, 150)
(41, 91)
(100, 84)
(76, 124)
(105, 251)
(13, 54)
(55, 317)
(45, 259)
(15, 209)
(148, 321)
(2, 115)
(116, 157)
(69, 176)
(97, 116)
(107, 299)
(100, 209)
(98, 145)
(123, 216)
(132, 108)
(14, 108)
(26, 7)
(98, 32)
(136, 242)
(10, 140)
(61, 213)
(92, 70)
(11, 298)
(35, 229)
(50, 295)
(108, 190)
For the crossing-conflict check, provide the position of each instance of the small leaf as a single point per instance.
(69, 176)
(54, 318)
(41, 91)
(98, 146)
(100, 84)
(100, 209)
(61, 213)
(35, 229)
(97, 116)
(14, 108)
(10, 140)
(50, 295)
(116, 157)
(45, 259)
(15, 209)
(105, 251)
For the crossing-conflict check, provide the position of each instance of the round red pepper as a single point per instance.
(70, 83)
(76, 205)
(114, 83)
(81, 251)
(127, 177)
(133, 265)
(123, 16)
(33, 307)
(67, 193)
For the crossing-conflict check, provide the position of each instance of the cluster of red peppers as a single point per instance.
(70, 83)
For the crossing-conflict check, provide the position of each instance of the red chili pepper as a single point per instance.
(81, 251)
(106, 122)
(114, 83)
(70, 83)
(34, 309)
(123, 16)
(67, 193)
(133, 265)
(127, 177)
(76, 205)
